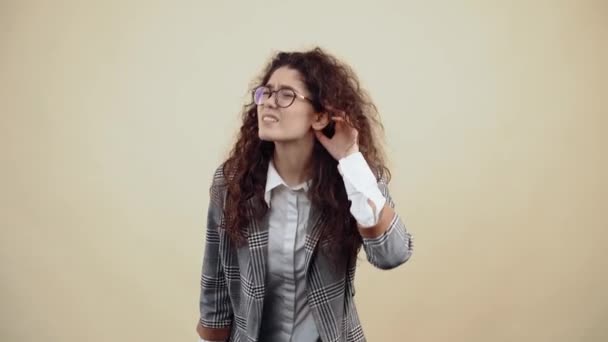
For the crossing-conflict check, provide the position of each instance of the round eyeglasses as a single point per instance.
(284, 96)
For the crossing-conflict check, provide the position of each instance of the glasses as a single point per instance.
(284, 96)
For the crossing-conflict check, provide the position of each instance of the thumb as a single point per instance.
(321, 137)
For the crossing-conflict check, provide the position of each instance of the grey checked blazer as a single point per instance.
(233, 279)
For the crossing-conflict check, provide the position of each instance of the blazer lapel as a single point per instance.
(257, 240)
(315, 222)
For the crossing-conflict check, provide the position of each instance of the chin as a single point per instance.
(266, 136)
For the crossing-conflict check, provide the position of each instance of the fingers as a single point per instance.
(333, 112)
(339, 114)
(321, 137)
(343, 124)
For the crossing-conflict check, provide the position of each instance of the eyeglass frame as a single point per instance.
(276, 99)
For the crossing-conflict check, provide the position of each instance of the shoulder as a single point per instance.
(218, 186)
(219, 178)
(383, 176)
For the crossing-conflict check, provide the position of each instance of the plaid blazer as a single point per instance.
(233, 279)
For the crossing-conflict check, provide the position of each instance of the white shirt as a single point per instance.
(287, 316)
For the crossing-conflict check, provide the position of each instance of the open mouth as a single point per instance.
(270, 118)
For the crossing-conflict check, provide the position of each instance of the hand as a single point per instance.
(344, 142)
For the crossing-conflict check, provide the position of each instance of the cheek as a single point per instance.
(300, 121)
(297, 123)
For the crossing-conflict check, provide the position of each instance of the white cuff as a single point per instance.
(361, 185)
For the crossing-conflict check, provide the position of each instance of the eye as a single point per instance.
(286, 94)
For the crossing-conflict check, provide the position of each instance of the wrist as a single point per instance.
(351, 150)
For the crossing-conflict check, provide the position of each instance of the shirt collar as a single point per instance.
(274, 180)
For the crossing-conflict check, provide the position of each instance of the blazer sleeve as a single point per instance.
(215, 307)
(395, 246)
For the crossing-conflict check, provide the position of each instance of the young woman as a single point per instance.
(303, 189)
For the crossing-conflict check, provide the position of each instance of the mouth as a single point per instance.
(270, 118)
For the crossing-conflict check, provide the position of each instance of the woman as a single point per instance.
(303, 189)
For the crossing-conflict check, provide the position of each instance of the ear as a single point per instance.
(321, 120)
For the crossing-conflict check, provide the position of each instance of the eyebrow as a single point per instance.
(282, 86)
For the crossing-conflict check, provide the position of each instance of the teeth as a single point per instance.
(270, 119)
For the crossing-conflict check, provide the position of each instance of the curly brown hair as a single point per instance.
(333, 87)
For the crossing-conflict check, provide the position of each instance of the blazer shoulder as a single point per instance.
(218, 187)
(219, 178)
(383, 176)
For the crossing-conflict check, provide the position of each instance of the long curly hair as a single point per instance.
(333, 86)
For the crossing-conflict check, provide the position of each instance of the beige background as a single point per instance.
(114, 115)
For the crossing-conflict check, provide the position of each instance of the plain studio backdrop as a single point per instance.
(114, 115)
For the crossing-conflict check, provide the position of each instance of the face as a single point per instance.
(291, 123)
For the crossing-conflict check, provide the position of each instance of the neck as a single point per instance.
(293, 160)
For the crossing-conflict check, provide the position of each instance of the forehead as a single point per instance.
(286, 77)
